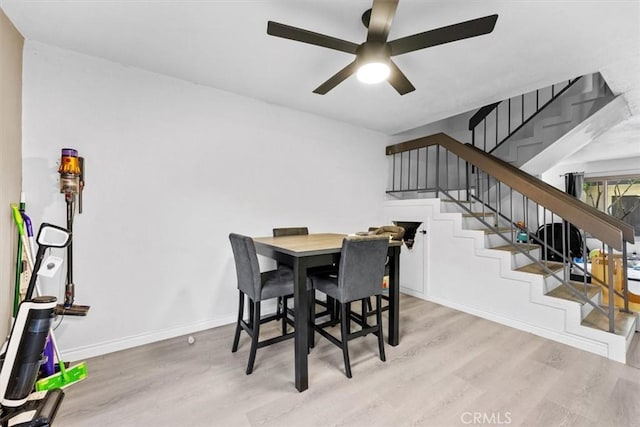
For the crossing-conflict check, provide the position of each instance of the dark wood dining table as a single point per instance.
(316, 250)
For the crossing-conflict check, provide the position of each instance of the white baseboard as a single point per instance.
(600, 349)
(412, 293)
(146, 338)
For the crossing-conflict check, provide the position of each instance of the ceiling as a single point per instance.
(223, 44)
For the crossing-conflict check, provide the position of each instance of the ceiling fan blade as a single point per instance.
(398, 80)
(382, 14)
(450, 33)
(336, 79)
(305, 36)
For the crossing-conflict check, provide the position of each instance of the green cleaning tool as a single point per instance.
(66, 376)
(16, 295)
(20, 256)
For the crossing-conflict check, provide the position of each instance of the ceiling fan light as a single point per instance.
(373, 72)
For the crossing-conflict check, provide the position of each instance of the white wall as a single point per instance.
(171, 169)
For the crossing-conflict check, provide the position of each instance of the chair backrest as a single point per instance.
(290, 231)
(361, 267)
(247, 267)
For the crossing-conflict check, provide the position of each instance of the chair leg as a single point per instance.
(279, 303)
(345, 308)
(331, 308)
(312, 319)
(251, 313)
(379, 321)
(284, 313)
(254, 337)
(236, 338)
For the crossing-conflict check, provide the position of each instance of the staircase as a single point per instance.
(473, 262)
(518, 129)
(579, 321)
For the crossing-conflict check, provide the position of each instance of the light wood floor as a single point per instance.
(449, 369)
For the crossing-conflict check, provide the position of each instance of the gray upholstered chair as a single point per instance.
(282, 302)
(257, 287)
(394, 232)
(359, 277)
(287, 231)
(290, 231)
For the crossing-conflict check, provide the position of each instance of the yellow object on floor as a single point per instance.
(600, 272)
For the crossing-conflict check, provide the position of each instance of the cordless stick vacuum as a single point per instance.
(71, 183)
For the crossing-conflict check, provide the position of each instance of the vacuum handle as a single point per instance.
(34, 272)
(80, 184)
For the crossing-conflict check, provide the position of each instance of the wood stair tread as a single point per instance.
(563, 292)
(623, 322)
(514, 248)
(478, 214)
(499, 231)
(536, 268)
(457, 201)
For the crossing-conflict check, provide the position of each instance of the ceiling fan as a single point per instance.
(373, 62)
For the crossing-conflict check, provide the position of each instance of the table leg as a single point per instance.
(301, 301)
(394, 296)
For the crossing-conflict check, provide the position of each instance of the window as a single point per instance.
(618, 196)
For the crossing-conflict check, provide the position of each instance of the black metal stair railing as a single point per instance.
(520, 203)
(492, 125)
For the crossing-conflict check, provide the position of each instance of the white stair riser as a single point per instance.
(588, 308)
(550, 283)
(453, 207)
(518, 259)
(475, 223)
(492, 240)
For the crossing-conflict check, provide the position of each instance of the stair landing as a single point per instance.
(623, 326)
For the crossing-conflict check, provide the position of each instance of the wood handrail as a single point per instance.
(606, 228)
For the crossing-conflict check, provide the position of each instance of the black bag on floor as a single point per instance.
(552, 234)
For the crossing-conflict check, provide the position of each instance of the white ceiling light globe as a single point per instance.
(373, 72)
